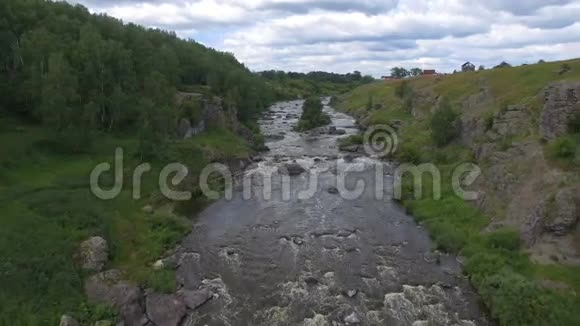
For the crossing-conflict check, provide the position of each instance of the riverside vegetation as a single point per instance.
(73, 87)
(312, 115)
(520, 239)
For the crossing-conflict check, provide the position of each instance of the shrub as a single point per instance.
(444, 126)
(312, 115)
(489, 119)
(448, 236)
(574, 124)
(369, 103)
(503, 64)
(350, 141)
(565, 68)
(564, 148)
(403, 89)
(516, 300)
(484, 264)
(504, 239)
(409, 153)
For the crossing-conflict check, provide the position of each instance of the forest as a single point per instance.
(291, 85)
(81, 73)
(73, 88)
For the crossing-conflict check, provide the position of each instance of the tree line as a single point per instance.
(318, 76)
(79, 73)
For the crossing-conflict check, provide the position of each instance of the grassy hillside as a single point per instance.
(48, 209)
(74, 87)
(515, 288)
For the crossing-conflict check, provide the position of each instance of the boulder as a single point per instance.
(277, 137)
(352, 319)
(195, 299)
(183, 128)
(292, 169)
(351, 293)
(188, 273)
(67, 320)
(349, 158)
(561, 104)
(334, 131)
(311, 280)
(108, 288)
(562, 212)
(333, 190)
(352, 148)
(94, 254)
(148, 209)
(165, 309)
(104, 323)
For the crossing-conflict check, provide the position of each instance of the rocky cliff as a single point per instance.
(520, 187)
(510, 121)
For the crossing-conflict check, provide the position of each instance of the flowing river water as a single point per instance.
(320, 259)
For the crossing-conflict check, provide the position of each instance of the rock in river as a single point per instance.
(195, 299)
(165, 309)
(292, 169)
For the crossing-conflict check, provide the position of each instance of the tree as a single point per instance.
(416, 72)
(399, 72)
(503, 64)
(312, 115)
(370, 103)
(59, 93)
(444, 124)
(481, 68)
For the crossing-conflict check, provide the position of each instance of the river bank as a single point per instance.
(318, 259)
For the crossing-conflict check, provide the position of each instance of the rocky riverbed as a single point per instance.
(286, 256)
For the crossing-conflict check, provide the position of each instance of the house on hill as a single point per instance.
(468, 66)
(429, 72)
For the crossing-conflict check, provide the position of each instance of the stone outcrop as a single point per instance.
(563, 212)
(561, 103)
(519, 187)
(165, 309)
(93, 254)
(195, 299)
(183, 128)
(292, 169)
(66, 320)
(110, 289)
(188, 274)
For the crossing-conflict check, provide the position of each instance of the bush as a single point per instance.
(312, 115)
(403, 89)
(516, 300)
(574, 124)
(350, 141)
(444, 125)
(504, 239)
(409, 153)
(564, 148)
(503, 64)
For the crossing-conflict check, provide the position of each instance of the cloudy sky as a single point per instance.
(366, 35)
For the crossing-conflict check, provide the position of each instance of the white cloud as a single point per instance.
(366, 35)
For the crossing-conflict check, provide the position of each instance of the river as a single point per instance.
(320, 259)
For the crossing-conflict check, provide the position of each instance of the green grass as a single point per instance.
(508, 282)
(48, 209)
